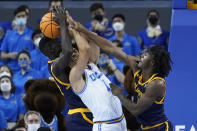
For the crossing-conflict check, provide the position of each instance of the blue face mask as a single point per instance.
(103, 61)
(20, 21)
(23, 64)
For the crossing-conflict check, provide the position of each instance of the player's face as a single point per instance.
(145, 60)
(74, 58)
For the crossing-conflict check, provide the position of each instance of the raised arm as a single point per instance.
(154, 92)
(77, 70)
(65, 56)
(104, 44)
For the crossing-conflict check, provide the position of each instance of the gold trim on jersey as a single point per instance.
(65, 84)
(51, 61)
(147, 82)
(82, 111)
(154, 126)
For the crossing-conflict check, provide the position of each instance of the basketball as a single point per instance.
(49, 27)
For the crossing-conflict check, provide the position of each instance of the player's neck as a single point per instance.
(146, 74)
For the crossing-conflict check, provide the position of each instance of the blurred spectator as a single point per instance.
(17, 40)
(153, 34)
(130, 43)
(38, 59)
(5, 71)
(53, 3)
(11, 105)
(100, 24)
(3, 123)
(25, 73)
(32, 120)
(20, 126)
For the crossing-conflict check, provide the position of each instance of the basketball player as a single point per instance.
(92, 86)
(79, 117)
(150, 88)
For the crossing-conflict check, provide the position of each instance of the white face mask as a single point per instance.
(20, 21)
(118, 26)
(33, 127)
(5, 87)
(5, 74)
(36, 41)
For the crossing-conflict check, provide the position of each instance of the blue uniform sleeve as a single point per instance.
(3, 123)
(4, 44)
(21, 105)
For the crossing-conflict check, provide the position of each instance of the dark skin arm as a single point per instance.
(154, 92)
(60, 63)
(104, 44)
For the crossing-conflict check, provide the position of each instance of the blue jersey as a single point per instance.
(79, 117)
(154, 115)
(162, 40)
(19, 80)
(129, 43)
(3, 121)
(53, 125)
(15, 42)
(12, 107)
(38, 59)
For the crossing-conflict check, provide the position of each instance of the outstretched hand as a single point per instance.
(74, 24)
(60, 15)
(115, 89)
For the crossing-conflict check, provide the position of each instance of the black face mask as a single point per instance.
(153, 20)
(98, 17)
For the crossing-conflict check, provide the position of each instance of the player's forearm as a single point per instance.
(104, 44)
(65, 42)
(130, 106)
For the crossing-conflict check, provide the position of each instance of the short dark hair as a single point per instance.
(162, 60)
(12, 84)
(50, 1)
(20, 9)
(50, 47)
(120, 16)
(36, 31)
(150, 11)
(96, 6)
(24, 52)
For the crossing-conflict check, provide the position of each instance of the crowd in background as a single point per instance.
(21, 60)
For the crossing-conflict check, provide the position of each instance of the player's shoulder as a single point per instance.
(156, 85)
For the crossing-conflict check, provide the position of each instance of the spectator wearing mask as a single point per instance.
(5, 71)
(38, 59)
(153, 34)
(3, 123)
(32, 120)
(25, 73)
(7, 27)
(130, 43)
(100, 24)
(11, 105)
(17, 39)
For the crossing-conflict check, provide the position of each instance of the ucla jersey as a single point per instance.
(154, 115)
(98, 97)
(79, 116)
(53, 125)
